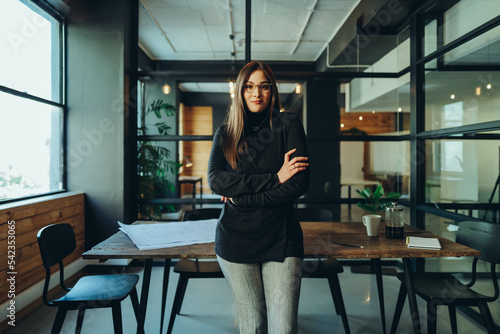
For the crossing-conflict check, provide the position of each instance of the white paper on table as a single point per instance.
(162, 235)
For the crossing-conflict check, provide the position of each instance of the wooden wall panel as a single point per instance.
(379, 122)
(196, 121)
(29, 218)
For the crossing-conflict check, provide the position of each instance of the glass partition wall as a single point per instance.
(375, 128)
(460, 123)
(457, 128)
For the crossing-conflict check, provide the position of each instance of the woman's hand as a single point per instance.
(291, 167)
(225, 199)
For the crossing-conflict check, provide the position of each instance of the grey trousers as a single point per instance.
(265, 295)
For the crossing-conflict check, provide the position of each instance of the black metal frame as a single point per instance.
(130, 179)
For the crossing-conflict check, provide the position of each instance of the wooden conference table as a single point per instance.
(318, 237)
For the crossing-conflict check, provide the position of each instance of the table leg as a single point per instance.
(349, 197)
(166, 275)
(201, 192)
(194, 195)
(380, 288)
(412, 298)
(146, 279)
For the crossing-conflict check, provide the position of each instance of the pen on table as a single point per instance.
(339, 243)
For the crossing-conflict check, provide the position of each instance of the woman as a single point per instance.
(258, 165)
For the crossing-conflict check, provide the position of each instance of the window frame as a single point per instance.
(42, 8)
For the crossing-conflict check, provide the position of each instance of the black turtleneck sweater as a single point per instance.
(257, 139)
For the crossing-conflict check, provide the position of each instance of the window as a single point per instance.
(459, 112)
(31, 108)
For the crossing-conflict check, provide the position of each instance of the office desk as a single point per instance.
(318, 237)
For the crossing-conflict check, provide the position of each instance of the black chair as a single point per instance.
(445, 289)
(56, 242)
(188, 268)
(327, 269)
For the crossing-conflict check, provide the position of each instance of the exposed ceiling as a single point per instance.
(281, 30)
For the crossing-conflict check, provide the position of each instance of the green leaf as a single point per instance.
(375, 202)
(163, 128)
(393, 195)
(366, 193)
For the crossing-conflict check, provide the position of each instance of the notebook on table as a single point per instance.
(421, 242)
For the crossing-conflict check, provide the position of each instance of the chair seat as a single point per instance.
(442, 287)
(202, 268)
(321, 268)
(100, 288)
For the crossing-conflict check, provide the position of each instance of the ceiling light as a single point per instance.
(478, 90)
(166, 89)
(360, 118)
(452, 96)
(373, 111)
(400, 109)
(298, 89)
(488, 86)
(341, 125)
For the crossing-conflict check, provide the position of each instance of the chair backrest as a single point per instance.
(56, 241)
(199, 214)
(482, 236)
(314, 214)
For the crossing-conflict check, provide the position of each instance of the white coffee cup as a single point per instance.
(372, 223)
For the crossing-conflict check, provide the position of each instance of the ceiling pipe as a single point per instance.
(304, 27)
(248, 30)
(163, 33)
(231, 30)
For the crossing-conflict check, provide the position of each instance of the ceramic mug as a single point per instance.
(372, 223)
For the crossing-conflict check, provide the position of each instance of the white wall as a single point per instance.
(351, 163)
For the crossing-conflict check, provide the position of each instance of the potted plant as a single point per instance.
(375, 201)
(153, 164)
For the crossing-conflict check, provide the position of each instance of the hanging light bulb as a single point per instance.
(166, 89)
(298, 89)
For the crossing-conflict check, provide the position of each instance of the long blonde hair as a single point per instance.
(234, 141)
